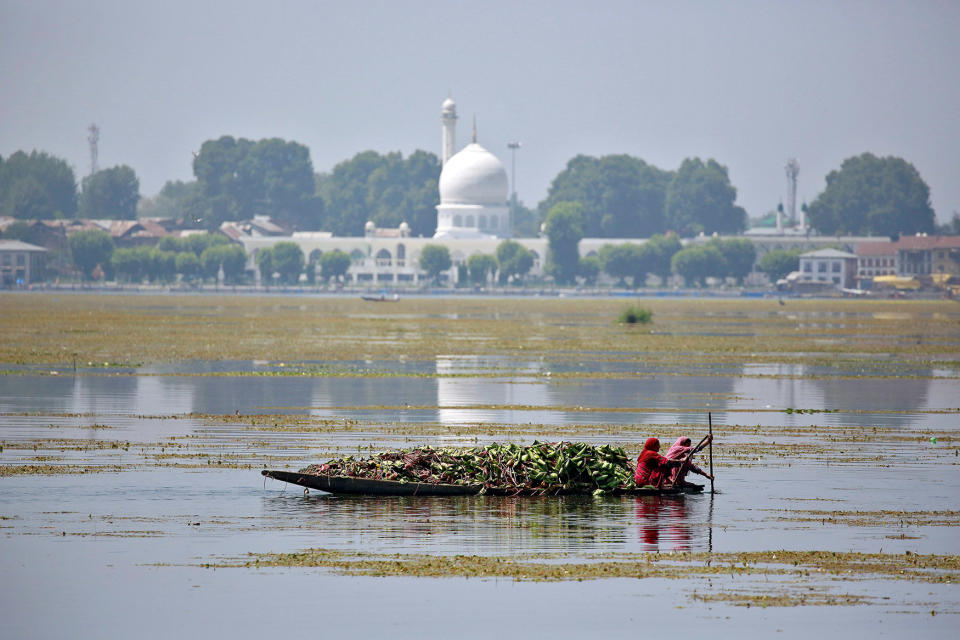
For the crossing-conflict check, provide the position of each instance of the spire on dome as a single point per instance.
(474, 128)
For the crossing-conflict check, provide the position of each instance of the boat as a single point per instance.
(370, 487)
(381, 298)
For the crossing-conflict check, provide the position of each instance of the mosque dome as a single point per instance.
(449, 106)
(473, 176)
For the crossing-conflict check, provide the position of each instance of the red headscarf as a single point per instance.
(651, 466)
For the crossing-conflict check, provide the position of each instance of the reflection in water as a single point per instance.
(509, 391)
(900, 394)
(493, 524)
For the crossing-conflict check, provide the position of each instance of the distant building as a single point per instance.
(829, 266)
(923, 255)
(473, 187)
(875, 259)
(21, 264)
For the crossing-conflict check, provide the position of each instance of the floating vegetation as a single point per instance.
(60, 330)
(934, 569)
(54, 469)
(886, 518)
(635, 315)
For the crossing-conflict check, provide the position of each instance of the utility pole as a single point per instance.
(513, 146)
(93, 139)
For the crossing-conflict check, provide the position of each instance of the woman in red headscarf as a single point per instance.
(653, 468)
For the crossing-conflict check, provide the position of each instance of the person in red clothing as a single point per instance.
(653, 468)
(682, 449)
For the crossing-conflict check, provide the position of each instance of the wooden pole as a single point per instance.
(710, 423)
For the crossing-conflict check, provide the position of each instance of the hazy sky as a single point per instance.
(748, 83)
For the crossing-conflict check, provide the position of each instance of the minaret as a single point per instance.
(449, 119)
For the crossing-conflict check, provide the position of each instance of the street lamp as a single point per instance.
(513, 146)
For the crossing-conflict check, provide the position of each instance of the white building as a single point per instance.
(829, 265)
(473, 187)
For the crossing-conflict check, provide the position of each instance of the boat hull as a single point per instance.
(369, 487)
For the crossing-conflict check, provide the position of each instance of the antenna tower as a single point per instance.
(93, 139)
(792, 169)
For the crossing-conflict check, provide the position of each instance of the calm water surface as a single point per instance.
(87, 555)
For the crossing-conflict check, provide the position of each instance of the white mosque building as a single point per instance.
(473, 187)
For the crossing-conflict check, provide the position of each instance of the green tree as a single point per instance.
(564, 227)
(589, 269)
(514, 260)
(871, 195)
(739, 254)
(386, 189)
(188, 264)
(111, 193)
(661, 249)
(334, 264)
(239, 178)
(90, 249)
(700, 198)
(231, 257)
(173, 201)
(696, 264)
(778, 263)
(480, 266)
(287, 259)
(37, 186)
(526, 221)
(623, 261)
(621, 196)
(435, 259)
(23, 231)
(131, 264)
(265, 264)
(951, 228)
(162, 266)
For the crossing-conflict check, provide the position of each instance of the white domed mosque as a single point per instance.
(473, 187)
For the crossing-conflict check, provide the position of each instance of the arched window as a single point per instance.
(401, 255)
(356, 255)
(469, 221)
(536, 258)
(494, 220)
(383, 258)
(314, 256)
(457, 221)
(482, 221)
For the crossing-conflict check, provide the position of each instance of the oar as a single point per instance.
(710, 422)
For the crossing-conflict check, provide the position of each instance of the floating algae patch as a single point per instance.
(809, 568)
(54, 469)
(783, 596)
(887, 518)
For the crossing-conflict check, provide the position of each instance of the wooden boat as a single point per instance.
(381, 298)
(368, 487)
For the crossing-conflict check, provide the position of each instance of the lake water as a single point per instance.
(115, 554)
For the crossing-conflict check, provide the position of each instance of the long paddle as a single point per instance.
(710, 422)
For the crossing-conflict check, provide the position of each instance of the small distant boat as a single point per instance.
(381, 298)
(371, 487)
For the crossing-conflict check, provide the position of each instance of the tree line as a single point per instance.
(619, 196)
(209, 257)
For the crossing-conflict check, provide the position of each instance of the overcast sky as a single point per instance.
(750, 84)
